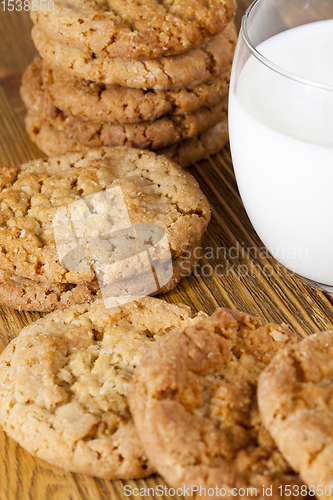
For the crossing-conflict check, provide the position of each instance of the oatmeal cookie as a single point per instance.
(165, 73)
(295, 395)
(193, 399)
(162, 132)
(49, 140)
(93, 101)
(190, 151)
(185, 153)
(29, 295)
(64, 383)
(134, 29)
(125, 190)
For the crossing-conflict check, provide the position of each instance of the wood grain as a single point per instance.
(235, 271)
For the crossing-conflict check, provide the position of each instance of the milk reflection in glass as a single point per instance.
(281, 135)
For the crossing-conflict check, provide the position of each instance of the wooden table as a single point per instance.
(236, 272)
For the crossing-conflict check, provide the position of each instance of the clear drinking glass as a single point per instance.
(281, 131)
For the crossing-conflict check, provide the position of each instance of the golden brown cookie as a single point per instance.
(29, 295)
(168, 73)
(194, 402)
(155, 134)
(64, 383)
(190, 151)
(185, 153)
(132, 29)
(93, 101)
(49, 140)
(125, 190)
(295, 394)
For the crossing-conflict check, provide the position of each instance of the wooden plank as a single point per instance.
(17, 48)
(234, 272)
(15, 145)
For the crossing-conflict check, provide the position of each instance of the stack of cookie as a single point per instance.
(148, 75)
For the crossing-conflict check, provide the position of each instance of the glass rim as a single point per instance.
(267, 62)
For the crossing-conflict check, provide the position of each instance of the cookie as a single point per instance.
(93, 101)
(295, 400)
(134, 29)
(190, 151)
(155, 134)
(185, 153)
(167, 73)
(162, 132)
(64, 383)
(28, 295)
(194, 403)
(49, 140)
(141, 210)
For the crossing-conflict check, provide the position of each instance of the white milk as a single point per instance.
(281, 136)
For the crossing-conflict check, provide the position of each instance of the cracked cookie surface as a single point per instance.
(132, 28)
(185, 153)
(93, 101)
(154, 189)
(295, 396)
(64, 383)
(29, 295)
(167, 73)
(194, 403)
(155, 134)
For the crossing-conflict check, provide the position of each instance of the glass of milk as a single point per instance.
(281, 131)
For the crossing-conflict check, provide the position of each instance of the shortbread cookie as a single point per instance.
(134, 29)
(64, 383)
(169, 73)
(185, 153)
(128, 189)
(194, 403)
(295, 396)
(111, 103)
(28, 295)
